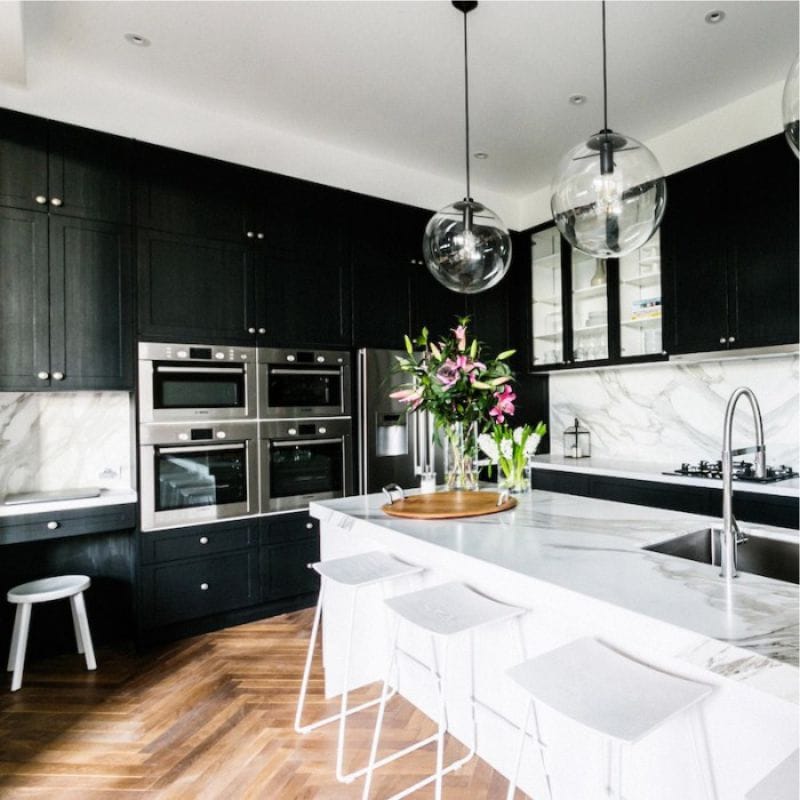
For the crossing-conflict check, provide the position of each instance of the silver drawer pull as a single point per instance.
(56, 201)
(204, 587)
(52, 525)
(309, 525)
(204, 540)
(40, 199)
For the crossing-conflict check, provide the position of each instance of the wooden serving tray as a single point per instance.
(448, 505)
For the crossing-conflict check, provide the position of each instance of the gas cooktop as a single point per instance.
(742, 471)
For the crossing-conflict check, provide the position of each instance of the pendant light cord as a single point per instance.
(605, 72)
(466, 102)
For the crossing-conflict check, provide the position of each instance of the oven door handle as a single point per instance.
(202, 448)
(234, 368)
(297, 442)
(284, 371)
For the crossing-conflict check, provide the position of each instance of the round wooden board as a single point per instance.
(448, 505)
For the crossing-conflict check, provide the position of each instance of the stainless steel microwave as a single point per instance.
(181, 382)
(297, 384)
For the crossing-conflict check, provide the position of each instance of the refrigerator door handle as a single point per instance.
(362, 422)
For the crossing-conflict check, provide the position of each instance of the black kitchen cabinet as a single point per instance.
(66, 303)
(433, 305)
(194, 289)
(288, 544)
(64, 169)
(730, 238)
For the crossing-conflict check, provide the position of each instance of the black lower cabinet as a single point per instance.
(99, 543)
(767, 509)
(207, 577)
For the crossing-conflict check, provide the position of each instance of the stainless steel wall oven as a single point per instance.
(303, 383)
(185, 382)
(304, 460)
(197, 472)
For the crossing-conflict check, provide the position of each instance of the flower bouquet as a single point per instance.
(464, 395)
(512, 450)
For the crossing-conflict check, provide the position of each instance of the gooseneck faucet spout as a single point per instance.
(730, 530)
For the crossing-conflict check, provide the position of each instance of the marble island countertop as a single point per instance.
(746, 629)
(108, 497)
(654, 471)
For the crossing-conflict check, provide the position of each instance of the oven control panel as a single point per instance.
(159, 351)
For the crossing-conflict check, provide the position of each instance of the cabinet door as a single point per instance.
(307, 269)
(23, 161)
(182, 193)
(195, 290)
(763, 232)
(284, 569)
(433, 305)
(24, 324)
(91, 288)
(89, 174)
(695, 275)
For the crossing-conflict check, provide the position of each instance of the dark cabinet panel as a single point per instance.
(91, 289)
(197, 541)
(23, 161)
(90, 174)
(193, 289)
(432, 305)
(489, 313)
(24, 300)
(288, 528)
(564, 482)
(284, 569)
(182, 193)
(657, 495)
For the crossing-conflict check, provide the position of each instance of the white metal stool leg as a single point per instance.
(76, 628)
(22, 622)
(512, 784)
(81, 621)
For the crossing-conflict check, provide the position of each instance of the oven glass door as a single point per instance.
(304, 469)
(304, 388)
(190, 386)
(202, 475)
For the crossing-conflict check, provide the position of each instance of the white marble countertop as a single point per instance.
(108, 497)
(653, 471)
(748, 626)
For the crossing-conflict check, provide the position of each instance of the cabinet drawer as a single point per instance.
(184, 590)
(284, 569)
(61, 524)
(289, 528)
(566, 482)
(196, 542)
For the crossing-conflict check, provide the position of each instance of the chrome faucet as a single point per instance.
(730, 530)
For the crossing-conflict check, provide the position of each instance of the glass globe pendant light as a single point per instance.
(791, 106)
(466, 245)
(609, 193)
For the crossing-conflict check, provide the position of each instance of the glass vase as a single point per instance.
(516, 481)
(460, 454)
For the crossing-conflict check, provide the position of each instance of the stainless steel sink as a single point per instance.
(772, 558)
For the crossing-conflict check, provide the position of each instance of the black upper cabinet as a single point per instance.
(178, 192)
(730, 238)
(65, 304)
(64, 169)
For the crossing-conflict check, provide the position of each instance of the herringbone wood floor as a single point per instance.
(207, 717)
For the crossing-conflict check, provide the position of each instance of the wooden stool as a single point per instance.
(606, 691)
(43, 591)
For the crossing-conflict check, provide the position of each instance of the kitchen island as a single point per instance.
(577, 563)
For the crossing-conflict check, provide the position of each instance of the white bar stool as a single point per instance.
(354, 572)
(43, 591)
(613, 694)
(444, 612)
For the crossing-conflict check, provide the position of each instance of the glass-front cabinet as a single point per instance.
(587, 310)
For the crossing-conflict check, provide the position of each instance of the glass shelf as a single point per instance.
(589, 291)
(547, 315)
(646, 279)
(587, 329)
(649, 322)
(549, 337)
(640, 300)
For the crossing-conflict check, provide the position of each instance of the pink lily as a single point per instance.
(461, 337)
(448, 373)
(413, 396)
(505, 404)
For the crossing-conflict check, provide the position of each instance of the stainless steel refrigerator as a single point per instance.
(394, 447)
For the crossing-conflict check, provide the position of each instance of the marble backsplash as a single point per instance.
(65, 440)
(672, 413)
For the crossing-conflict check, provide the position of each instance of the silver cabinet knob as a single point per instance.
(262, 330)
(309, 525)
(250, 234)
(203, 587)
(56, 201)
(731, 339)
(251, 330)
(204, 540)
(58, 376)
(42, 376)
(259, 236)
(51, 526)
(722, 340)
(663, 352)
(40, 199)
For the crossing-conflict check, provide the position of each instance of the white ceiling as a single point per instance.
(384, 80)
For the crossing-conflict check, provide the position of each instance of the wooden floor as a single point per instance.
(207, 717)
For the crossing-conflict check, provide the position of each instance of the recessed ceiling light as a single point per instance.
(714, 17)
(577, 99)
(137, 39)
(481, 154)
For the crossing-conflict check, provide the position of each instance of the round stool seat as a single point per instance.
(363, 569)
(46, 589)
